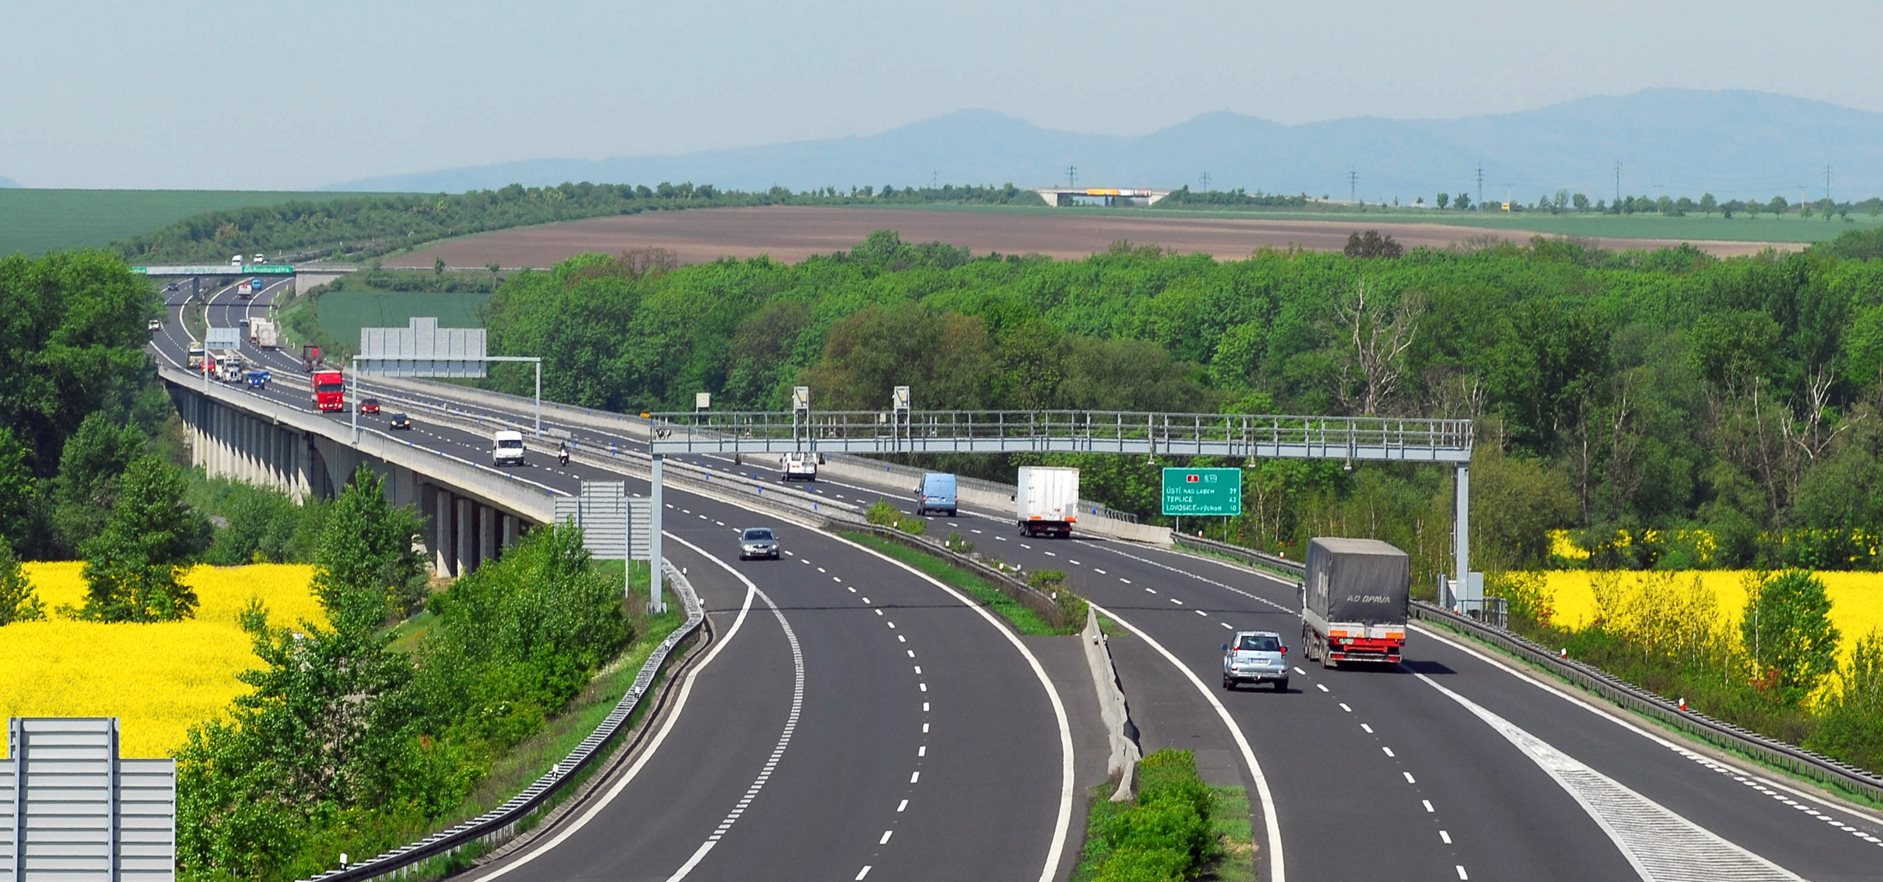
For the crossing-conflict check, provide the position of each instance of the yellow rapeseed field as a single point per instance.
(158, 679)
(1856, 598)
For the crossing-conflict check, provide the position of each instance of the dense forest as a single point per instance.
(1611, 391)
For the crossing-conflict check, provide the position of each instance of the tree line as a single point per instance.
(1610, 391)
(359, 228)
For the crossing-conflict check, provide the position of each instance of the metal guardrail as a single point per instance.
(501, 823)
(980, 484)
(1176, 434)
(1791, 758)
(1268, 561)
(1028, 596)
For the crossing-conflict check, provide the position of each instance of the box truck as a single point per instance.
(1046, 500)
(1354, 597)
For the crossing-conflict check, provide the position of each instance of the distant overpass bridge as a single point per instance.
(1057, 196)
(305, 277)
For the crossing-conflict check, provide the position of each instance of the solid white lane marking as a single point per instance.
(1271, 822)
(1659, 843)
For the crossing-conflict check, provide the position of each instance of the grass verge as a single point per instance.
(1022, 619)
(1177, 828)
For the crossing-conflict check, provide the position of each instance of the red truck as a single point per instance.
(329, 390)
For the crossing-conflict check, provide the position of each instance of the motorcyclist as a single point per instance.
(562, 452)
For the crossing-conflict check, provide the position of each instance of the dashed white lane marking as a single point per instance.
(853, 590)
(1409, 778)
(1051, 554)
(880, 612)
(1369, 729)
(1303, 673)
(822, 570)
(1445, 837)
(836, 578)
(1229, 627)
(974, 531)
(719, 523)
(1001, 538)
(864, 872)
(1428, 806)
(922, 751)
(1071, 561)
(1344, 707)
(1388, 750)
(1124, 580)
(1099, 571)
(892, 625)
(903, 807)
(1026, 546)
(918, 670)
(915, 776)
(1321, 686)
(1176, 601)
(1461, 872)
(1201, 613)
(885, 839)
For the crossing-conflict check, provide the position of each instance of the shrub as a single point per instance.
(1165, 836)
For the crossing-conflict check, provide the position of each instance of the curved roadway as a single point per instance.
(854, 719)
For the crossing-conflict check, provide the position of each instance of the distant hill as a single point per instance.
(1677, 142)
(8, 184)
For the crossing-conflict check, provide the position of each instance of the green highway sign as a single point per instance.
(1202, 491)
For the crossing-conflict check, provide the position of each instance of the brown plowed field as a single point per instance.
(793, 233)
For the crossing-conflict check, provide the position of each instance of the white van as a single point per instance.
(506, 448)
(799, 466)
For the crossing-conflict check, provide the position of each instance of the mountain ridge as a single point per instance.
(1674, 142)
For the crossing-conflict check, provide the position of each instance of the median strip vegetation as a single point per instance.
(1178, 828)
(984, 592)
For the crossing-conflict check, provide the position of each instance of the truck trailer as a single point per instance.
(1046, 501)
(1354, 598)
(263, 334)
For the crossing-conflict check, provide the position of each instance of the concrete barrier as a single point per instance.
(1122, 734)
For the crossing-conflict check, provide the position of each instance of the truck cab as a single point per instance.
(936, 493)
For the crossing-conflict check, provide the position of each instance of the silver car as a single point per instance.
(757, 542)
(1256, 656)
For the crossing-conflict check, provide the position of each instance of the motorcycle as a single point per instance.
(563, 457)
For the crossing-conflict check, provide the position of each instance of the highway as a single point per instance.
(853, 719)
(1452, 765)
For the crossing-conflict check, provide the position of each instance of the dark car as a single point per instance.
(399, 421)
(369, 405)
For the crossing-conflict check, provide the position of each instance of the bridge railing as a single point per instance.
(1196, 434)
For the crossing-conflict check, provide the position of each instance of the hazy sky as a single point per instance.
(248, 95)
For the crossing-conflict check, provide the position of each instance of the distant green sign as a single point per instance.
(1202, 491)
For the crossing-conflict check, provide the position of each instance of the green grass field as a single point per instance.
(344, 313)
(36, 221)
